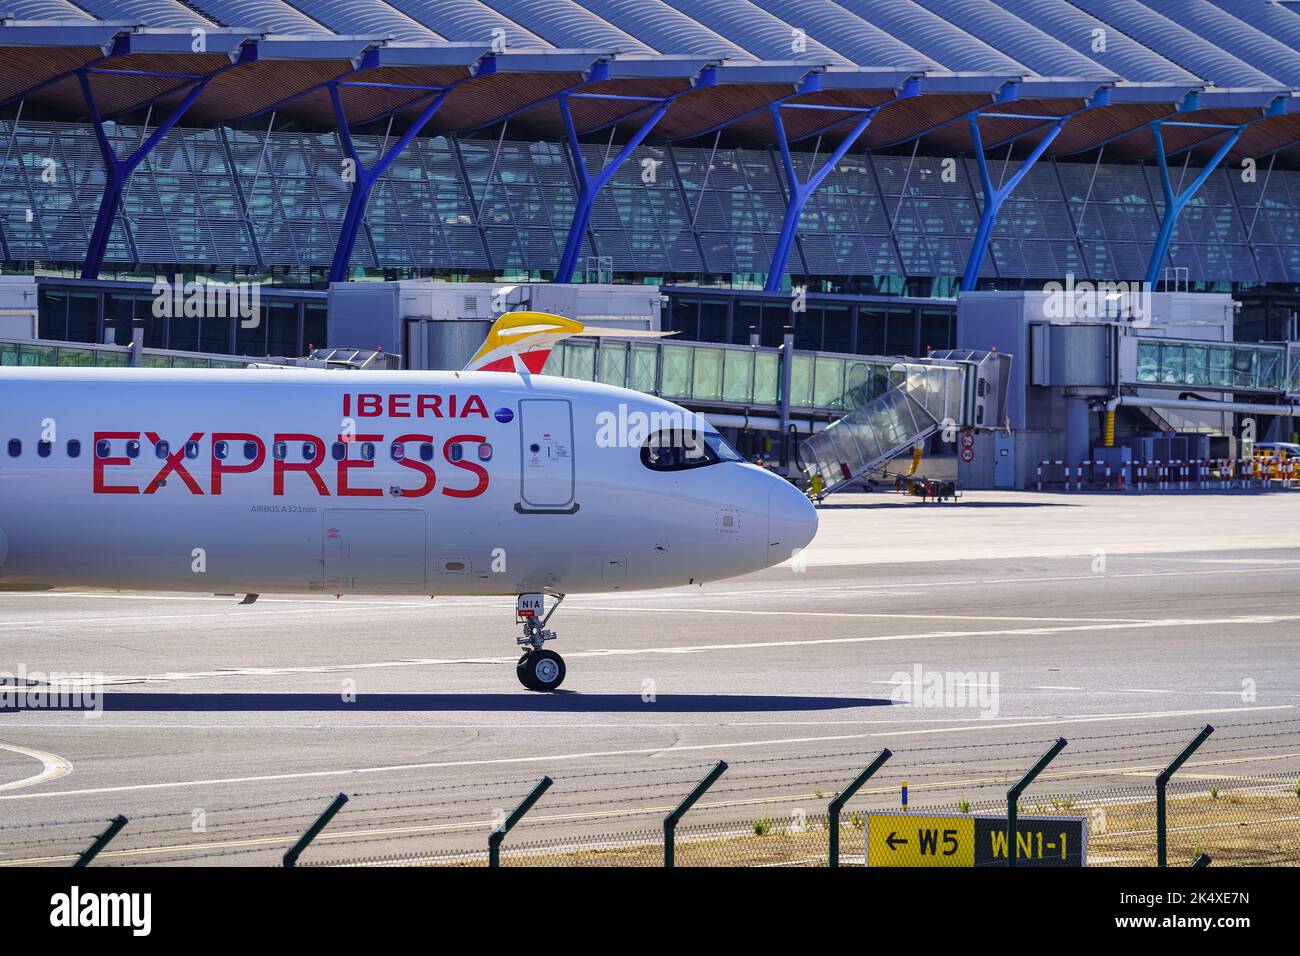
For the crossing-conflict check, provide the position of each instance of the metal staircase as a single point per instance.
(959, 389)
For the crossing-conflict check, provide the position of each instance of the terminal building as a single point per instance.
(853, 213)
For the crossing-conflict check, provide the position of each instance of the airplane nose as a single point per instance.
(791, 521)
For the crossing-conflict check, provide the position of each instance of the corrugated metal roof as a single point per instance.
(1211, 63)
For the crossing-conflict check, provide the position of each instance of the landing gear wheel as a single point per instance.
(541, 670)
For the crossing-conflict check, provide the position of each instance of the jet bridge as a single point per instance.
(961, 390)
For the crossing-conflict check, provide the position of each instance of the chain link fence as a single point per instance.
(1230, 803)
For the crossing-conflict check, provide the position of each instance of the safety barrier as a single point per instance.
(1175, 474)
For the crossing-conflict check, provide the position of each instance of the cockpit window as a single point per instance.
(677, 448)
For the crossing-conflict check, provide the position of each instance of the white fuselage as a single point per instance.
(229, 481)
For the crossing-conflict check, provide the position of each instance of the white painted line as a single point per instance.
(716, 747)
(52, 767)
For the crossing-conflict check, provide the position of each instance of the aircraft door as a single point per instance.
(374, 551)
(546, 447)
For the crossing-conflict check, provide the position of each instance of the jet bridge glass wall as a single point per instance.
(1210, 365)
(742, 376)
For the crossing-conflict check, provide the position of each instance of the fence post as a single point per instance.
(844, 796)
(101, 841)
(1013, 795)
(291, 857)
(670, 821)
(1162, 781)
(526, 804)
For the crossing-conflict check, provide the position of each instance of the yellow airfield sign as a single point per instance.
(901, 839)
(905, 839)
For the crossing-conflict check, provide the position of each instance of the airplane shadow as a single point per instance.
(558, 702)
(917, 502)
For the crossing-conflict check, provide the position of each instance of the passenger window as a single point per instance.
(220, 450)
(103, 448)
(279, 451)
(398, 451)
(250, 450)
(367, 451)
(74, 448)
(15, 448)
(43, 448)
(485, 452)
(339, 451)
(455, 452)
(191, 449)
(133, 448)
(426, 452)
(308, 451)
(162, 449)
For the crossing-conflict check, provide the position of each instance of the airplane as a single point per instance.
(492, 480)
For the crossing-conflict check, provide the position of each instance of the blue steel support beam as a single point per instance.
(118, 171)
(589, 186)
(994, 197)
(800, 192)
(366, 177)
(1176, 202)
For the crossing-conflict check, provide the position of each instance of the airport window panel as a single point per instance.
(747, 315)
(737, 375)
(767, 378)
(837, 329)
(282, 329)
(900, 332)
(684, 318)
(676, 371)
(936, 330)
(83, 317)
(216, 334)
(801, 381)
(251, 340)
(808, 328)
(313, 329)
(829, 382)
(871, 332)
(52, 321)
(645, 366)
(713, 321)
(707, 374)
(775, 319)
(183, 333)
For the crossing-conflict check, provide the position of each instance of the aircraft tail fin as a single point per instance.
(531, 336)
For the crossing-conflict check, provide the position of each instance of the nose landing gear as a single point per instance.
(538, 669)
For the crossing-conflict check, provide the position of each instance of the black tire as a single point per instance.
(523, 673)
(541, 670)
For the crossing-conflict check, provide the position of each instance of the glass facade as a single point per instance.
(899, 225)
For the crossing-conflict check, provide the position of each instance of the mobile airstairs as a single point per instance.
(959, 390)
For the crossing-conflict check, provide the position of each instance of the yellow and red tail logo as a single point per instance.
(531, 336)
